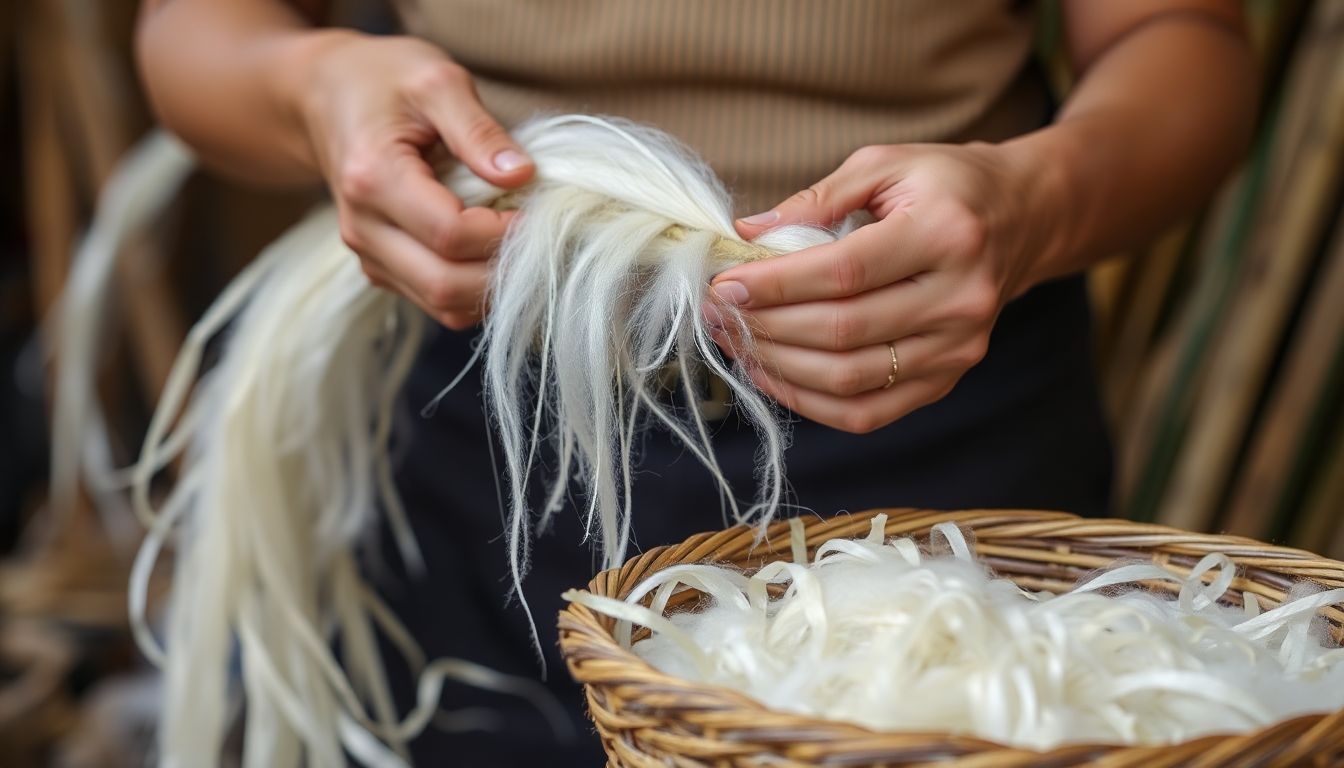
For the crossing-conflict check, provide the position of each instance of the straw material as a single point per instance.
(647, 718)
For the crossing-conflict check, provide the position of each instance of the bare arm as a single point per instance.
(263, 95)
(224, 76)
(1163, 108)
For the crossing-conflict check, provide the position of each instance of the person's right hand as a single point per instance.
(374, 109)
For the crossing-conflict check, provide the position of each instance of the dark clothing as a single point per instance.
(1022, 429)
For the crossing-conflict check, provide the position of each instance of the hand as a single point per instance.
(375, 108)
(929, 277)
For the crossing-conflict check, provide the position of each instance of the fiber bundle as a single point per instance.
(282, 445)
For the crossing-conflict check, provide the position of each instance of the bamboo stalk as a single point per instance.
(1280, 256)
(1281, 441)
(1154, 430)
(1311, 480)
(1151, 446)
(1147, 295)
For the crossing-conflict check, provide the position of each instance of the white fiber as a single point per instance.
(145, 182)
(283, 442)
(889, 637)
(598, 287)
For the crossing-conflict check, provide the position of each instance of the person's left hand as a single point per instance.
(950, 246)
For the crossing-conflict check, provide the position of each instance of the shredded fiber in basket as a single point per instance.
(891, 637)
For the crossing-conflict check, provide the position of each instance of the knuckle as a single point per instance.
(846, 329)
(769, 288)
(372, 275)
(966, 233)
(809, 198)
(848, 272)
(456, 321)
(480, 130)
(352, 237)
(359, 178)
(434, 78)
(443, 294)
(859, 421)
(447, 237)
(869, 155)
(943, 390)
(979, 347)
(980, 302)
(972, 352)
(846, 379)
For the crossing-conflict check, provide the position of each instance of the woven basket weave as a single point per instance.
(646, 718)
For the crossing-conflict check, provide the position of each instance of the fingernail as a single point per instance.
(510, 160)
(731, 291)
(769, 217)
(711, 314)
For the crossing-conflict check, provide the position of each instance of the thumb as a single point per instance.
(846, 190)
(474, 136)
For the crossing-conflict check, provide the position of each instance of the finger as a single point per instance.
(845, 374)
(377, 276)
(458, 321)
(450, 103)
(858, 414)
(847, 189)
(437, 285)
(428, 212)
(867, 258)
(383, 280)
(454, 318)
(394, 183)
(873, 317)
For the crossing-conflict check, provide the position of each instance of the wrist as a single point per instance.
(296, 90)
(1041, 167)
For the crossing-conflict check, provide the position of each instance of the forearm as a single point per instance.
(1152, 128)
(224, 76)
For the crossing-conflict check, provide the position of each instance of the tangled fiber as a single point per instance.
(281, 446)
(892, 637)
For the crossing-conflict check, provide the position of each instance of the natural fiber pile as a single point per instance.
(892, 637)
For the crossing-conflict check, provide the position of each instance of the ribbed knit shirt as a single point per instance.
(774, 94)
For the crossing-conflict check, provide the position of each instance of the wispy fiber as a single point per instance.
(595, 304)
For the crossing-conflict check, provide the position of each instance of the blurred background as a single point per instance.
(1220, 346)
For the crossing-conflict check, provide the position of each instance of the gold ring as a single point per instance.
(895, 366)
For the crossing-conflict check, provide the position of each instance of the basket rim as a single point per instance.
(587, 643)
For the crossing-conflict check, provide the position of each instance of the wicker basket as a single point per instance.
(646, 718)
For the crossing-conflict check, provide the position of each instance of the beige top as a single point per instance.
(773, 93)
